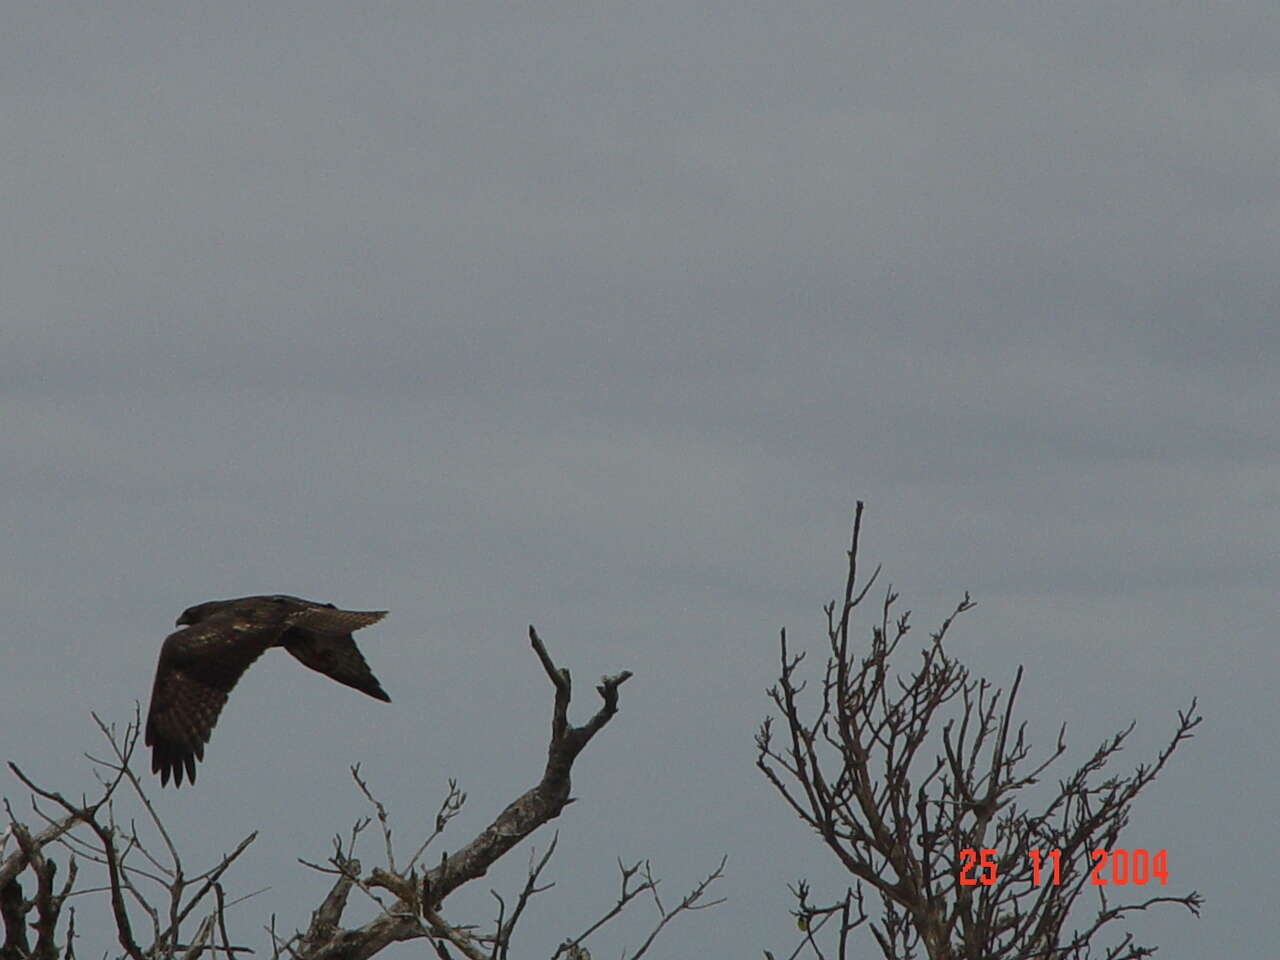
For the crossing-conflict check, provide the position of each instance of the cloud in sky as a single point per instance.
(602, 319)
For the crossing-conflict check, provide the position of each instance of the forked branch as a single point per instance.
(904, 775)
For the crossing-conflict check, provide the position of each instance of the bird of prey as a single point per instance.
(200, 664)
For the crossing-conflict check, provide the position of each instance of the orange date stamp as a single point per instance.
(1110, 867)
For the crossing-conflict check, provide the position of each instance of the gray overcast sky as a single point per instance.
(602, 317)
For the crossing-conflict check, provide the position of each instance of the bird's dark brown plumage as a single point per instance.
(200, 664)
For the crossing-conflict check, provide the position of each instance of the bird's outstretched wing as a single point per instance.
(198, 667)
(202, 663)
(320, 638)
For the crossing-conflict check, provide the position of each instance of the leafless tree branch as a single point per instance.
(419, 899)
(408, 899)
(852, 760)
(109, 845)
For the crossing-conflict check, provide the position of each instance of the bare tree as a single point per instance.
(920, 786)
(162, 911)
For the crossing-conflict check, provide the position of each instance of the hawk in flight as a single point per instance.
(200, 663)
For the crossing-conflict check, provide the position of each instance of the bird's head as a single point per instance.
(255, 608)
(199, 612)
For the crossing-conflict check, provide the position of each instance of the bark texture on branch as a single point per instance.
(907, 774)
(536, 806)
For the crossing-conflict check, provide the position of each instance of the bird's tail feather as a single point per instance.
(333, 620)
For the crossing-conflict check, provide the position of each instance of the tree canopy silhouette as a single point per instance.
(920, 786)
